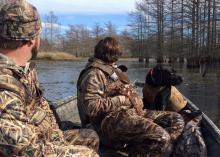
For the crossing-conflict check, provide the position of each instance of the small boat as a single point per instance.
(67, 111)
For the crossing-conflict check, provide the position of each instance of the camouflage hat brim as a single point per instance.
(19, 21)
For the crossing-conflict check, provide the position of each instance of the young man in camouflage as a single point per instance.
(108, 101)
(27, 124)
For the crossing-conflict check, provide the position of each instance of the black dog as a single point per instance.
(163, 75)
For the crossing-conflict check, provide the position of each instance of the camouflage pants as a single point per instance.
(51, 150)
(84, 137)
(79, 143)
(149, 135)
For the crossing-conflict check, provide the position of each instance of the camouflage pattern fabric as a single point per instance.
(172, 122)
(85, 137)
(191, 142)
(27, 125)
(19, 20)
(117, 121)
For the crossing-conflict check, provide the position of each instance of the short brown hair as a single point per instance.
(11, 44)
(108, 50)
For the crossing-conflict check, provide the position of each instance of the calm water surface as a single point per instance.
(58, 80)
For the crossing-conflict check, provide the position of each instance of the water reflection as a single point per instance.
(58, 80)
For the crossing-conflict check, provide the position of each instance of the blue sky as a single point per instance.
(87, 12)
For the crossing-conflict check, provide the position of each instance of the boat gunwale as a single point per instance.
(64, 101)
(215, 131)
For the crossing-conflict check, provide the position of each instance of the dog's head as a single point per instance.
(123, 68)
(163, 75)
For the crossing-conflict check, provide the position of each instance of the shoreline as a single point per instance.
(56, 56)
(63, 56)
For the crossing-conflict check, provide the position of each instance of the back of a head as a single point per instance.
(108, 50)
(19, 21)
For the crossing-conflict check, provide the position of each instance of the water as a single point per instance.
(58, 80)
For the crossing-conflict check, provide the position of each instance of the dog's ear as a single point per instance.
(154, 77)
(148, 79)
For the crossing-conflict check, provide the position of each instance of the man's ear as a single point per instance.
(37, 42)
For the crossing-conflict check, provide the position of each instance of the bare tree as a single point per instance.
(136, 26)
(52, 27)
(110, 29)
(79, 40)
(51, 32)
(97, 31)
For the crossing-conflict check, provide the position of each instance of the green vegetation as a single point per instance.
(56, 56)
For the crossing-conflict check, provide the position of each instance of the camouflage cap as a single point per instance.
(19, 20)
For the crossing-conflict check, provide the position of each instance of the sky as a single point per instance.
(87, 12)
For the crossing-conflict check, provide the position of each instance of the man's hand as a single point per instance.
(134, 98)
(128, 96)
(125, 101)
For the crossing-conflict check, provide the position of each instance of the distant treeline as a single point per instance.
(79, 40)
(158, 28)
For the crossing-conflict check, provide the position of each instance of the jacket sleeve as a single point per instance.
(19, 137)
(17, 134)
(95, 102)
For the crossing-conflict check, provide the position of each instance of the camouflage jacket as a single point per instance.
(27, 125)
(98, 93)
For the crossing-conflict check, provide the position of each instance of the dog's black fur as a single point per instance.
(123, 68)
(163, 75)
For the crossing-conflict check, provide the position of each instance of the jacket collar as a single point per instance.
(6, 62)
(96, 60)
(93, 59)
